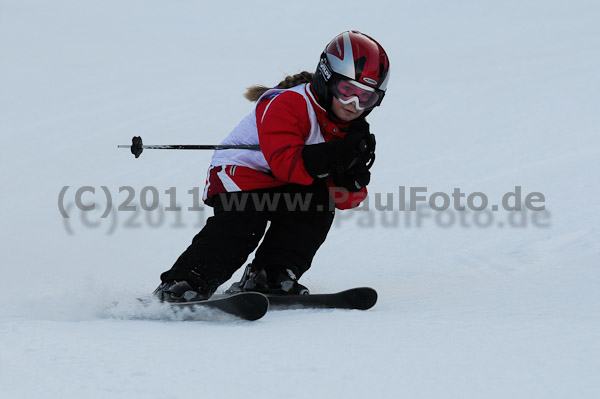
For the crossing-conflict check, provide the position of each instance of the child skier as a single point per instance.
(315, 153)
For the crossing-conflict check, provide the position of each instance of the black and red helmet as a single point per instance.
(356, 58)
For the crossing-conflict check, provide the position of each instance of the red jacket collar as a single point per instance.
(328, 122)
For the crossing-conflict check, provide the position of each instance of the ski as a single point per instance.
(246, 306)
(361, 298)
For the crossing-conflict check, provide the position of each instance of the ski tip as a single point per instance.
(249, 306)
(361, 298)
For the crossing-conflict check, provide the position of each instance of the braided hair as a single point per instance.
(253, 93)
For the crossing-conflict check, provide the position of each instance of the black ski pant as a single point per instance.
(300, 217)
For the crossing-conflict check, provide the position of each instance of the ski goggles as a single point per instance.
(363, 97)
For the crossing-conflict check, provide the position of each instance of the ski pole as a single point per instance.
(137, 146)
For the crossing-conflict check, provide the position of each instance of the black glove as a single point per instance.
(355, 148)
(354, 179)
(366, 145)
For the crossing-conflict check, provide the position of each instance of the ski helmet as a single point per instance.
(355, 58)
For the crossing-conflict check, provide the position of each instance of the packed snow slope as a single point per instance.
(483, 97)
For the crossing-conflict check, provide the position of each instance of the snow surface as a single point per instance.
(484, 96)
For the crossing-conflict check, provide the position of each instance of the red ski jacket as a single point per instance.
(283, 125)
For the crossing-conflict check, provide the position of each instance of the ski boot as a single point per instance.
(278, 281)
(177, 291)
